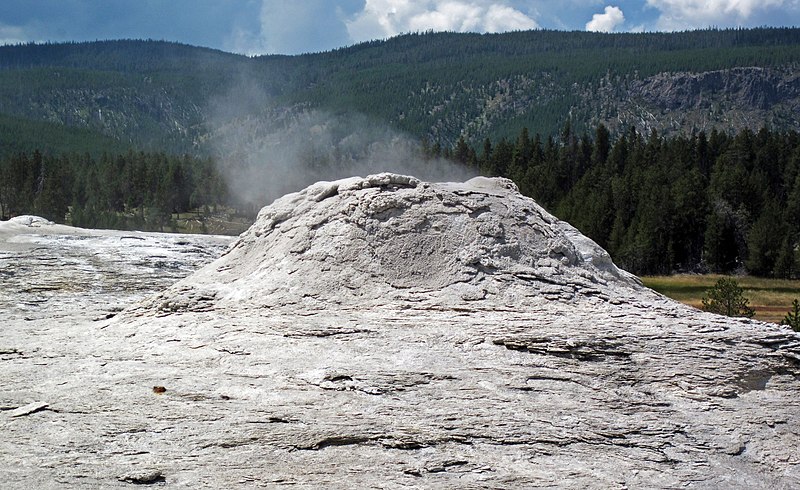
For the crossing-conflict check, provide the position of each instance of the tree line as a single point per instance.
(133, 190)
(712, 202)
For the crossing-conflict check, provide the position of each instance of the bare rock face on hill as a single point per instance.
(386, 332)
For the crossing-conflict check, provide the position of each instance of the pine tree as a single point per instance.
(462, 151)
(786, 265)
(601, 145)
(764, 240)
(727, 298)
(793, 317)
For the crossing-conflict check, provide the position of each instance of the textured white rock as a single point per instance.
(390, 240)
(385, 332)
(28, 409)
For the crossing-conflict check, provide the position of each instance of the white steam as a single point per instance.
(266, 151)
(291, 28)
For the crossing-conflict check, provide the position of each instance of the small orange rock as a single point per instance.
(159, 389)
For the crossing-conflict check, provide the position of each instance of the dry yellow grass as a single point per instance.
(771, 298)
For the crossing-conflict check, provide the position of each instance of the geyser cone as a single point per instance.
(388, 236)
(385, 332)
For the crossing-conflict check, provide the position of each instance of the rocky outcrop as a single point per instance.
(671, 102)
(729, 100)
(386, 332)
(755, 88)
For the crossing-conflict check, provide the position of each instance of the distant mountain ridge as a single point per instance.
(439, 86)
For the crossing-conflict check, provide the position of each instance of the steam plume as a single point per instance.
(267, 151)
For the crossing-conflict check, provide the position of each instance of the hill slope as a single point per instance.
(435, 85)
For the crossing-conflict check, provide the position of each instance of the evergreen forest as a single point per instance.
(133, 190)
(701, 203)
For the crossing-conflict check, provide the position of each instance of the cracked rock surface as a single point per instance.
(385, 332)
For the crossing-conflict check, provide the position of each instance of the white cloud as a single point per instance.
(501, 18)
(386, 18)
(606, 22)
(12, 35)
(448, 16)
(686, 14)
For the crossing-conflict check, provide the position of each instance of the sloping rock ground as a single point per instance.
(383, 332)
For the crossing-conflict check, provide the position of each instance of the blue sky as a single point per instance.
(296, 26)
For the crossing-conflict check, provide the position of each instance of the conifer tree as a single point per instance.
(727, 298)
(793, 317)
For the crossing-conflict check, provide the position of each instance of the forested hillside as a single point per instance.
(166, 96)
(445, 85)
(144, 94)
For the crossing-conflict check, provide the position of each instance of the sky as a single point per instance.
(256, 27)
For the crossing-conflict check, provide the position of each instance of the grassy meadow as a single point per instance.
(771, 298)
(215, 224)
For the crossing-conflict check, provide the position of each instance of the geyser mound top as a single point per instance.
(392, 238)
